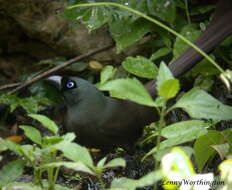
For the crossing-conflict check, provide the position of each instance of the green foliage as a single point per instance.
(164, 74)
(165, 10)
(11, 171)
(199, 104)
(132, 31)
(160, 53)
(169, 88)
(203, 149)
(44, 157)
(132, 184)
(140, 66)
(131, 89)
(30, 104)
(191, 32)
(127, 28)
(49, 124)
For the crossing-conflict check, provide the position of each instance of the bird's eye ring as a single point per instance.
(70, 84)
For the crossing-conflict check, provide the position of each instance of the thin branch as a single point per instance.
(59, 67)
(7, 86)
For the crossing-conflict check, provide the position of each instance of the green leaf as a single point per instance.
(78, 166)
(51, 140)
(11, 146)
(183, 128)
(107, 73)
(46, 122)
(160, 53)
(186, 136)
(191, 33)
(76, 153)
(30, 153)
(127, 31)
(130, 89)
(32, 133)
(29, 104)
(117, 162)
(164, 74)
(140, 66)
(94, 17)
(164, 9)
(199, 104)
(132, 184)
(11, 171)
(169, 88)
(203, 149)
(101, 163)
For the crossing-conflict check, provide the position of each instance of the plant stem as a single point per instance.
(160, 24)
(161, 124)
(187, 11)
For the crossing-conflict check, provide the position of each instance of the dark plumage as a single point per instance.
(104, 122)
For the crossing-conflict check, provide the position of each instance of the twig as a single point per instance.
(7, 86)
(59, 67)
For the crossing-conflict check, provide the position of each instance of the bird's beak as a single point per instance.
(55, 81)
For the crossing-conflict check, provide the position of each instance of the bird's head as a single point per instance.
(75, 89)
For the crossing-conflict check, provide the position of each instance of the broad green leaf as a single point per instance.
(203, 149)
(164, 74)
(51, 140)
(177, 141)
(117, 162)
(78, 166)
(191, 33)
(160, 53)
(76, 153)
(11, 171)
(127, 31)
(11, 146)
(101, 163)
(164, 10)
(140, 66)
(199, 104)
(46, 122)
(131, 184)
(107, 73)
(32, 133)
(69, 137)
(191, 127)
(131, 89)
(169, 88)
(95, 17)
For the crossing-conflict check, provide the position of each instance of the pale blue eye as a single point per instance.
(70, 84)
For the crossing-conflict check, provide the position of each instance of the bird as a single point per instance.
(104, 122)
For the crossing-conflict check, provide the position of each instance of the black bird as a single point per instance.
(105, 122)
